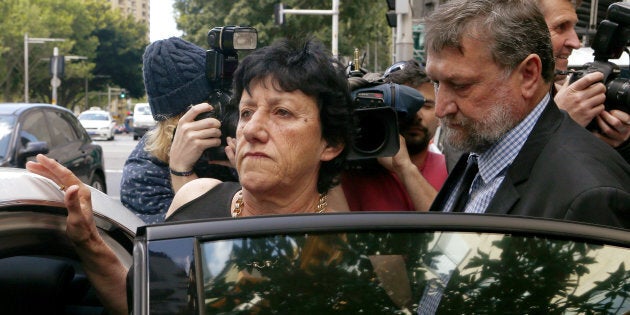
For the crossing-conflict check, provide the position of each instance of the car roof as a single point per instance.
(94, 111)
(18, 108)
(224, 228)
(30, 188)
(100, 111)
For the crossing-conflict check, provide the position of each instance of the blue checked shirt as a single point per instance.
(493, 163)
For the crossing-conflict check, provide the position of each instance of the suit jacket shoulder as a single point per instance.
(564, 172)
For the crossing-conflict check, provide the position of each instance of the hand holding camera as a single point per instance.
(613, 127)
(611, 39)
(193, 136)
(583, 99)
(611, 124)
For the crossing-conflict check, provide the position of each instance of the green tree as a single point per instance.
(122, 41)
(360, 26)
(81, 24)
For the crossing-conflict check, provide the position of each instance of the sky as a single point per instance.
(162, 20)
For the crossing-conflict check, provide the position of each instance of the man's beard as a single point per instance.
(479, 136)
(416, 142)
(416, 145)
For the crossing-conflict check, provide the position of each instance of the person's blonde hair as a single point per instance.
(160, 138)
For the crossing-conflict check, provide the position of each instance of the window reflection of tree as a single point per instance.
(320, 274)
(536, 276)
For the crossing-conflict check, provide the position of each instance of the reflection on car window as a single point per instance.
(413, 273)
(61, 130)
(7, 124)
(36, 127)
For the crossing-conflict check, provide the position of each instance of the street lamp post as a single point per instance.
(335, 21)
(33, 40)
(55, 82)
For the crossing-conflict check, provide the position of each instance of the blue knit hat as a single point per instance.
(174, 76)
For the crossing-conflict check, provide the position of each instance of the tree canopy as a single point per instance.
(107, 46)
(102, 47)
(361, 26)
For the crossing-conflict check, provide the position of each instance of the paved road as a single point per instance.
(116, 153)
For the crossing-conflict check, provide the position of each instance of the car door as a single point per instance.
(67, 145)
(380, 263)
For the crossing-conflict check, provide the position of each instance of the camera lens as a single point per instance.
(618, 94)
(372, 135)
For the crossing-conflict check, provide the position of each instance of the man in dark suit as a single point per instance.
(493, 66)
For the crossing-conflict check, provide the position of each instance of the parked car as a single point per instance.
(39, 269)
(98, 123)
(30, 129)
(339, 263)
(142, 120)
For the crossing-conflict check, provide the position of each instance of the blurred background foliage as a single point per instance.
(110, 45)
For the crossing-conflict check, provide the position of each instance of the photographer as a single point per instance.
(409, 180)
(162, 162)
(584, 98)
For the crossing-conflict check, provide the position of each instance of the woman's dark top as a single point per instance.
(215, 203)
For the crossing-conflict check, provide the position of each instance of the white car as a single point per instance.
(98, 123)
(39, 269)
(142, 120)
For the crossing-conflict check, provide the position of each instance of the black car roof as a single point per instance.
(224, 228)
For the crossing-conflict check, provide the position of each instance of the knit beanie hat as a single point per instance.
(174, 73)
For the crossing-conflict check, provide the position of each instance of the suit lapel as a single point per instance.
(518, 173)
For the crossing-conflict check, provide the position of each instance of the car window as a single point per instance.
(61, 131)
(34, 128)
(94, 116)
(7, 123)
(405, 273)
(77, 127)
(144, 110)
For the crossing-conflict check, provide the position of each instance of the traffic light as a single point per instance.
(123, 93)
(59, 62)
(391, 13)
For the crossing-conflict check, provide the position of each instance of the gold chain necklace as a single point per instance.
(240, 204)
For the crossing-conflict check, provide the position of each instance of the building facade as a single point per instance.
(139, 9)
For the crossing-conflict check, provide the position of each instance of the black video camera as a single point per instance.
(378, 109)
(611, 39)
(221, 62)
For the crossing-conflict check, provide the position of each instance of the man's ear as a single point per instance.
(330, 152)
(530, 73)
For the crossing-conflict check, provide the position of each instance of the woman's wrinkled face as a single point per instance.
(279, 139)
